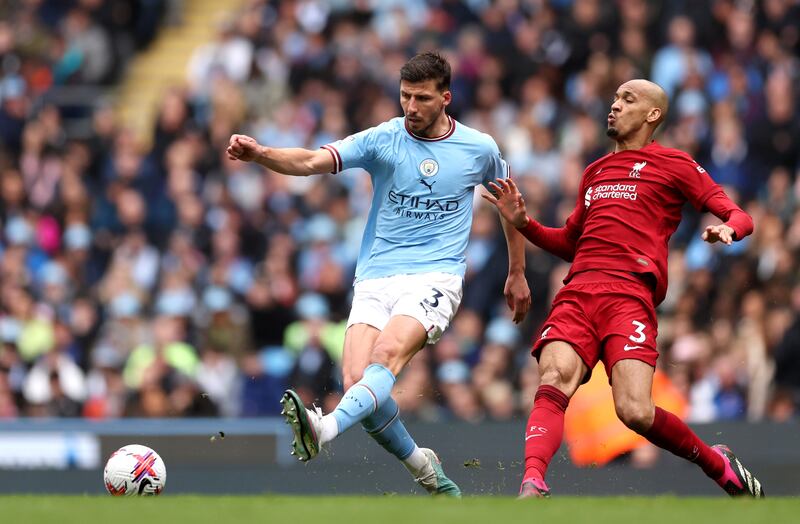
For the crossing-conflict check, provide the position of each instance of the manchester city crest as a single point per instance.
(428, 167)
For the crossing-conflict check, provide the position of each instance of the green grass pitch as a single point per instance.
(269, 509)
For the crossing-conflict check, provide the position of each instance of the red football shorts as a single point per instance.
(604, 318)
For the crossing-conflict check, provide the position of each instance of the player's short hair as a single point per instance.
(427, 66)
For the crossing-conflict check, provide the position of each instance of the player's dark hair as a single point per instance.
(427, 66)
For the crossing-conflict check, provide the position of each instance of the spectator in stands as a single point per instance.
(102, 236)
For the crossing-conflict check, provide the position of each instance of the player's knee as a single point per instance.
(636, 415)
(563, 378)
(386, 353)
(350, 377)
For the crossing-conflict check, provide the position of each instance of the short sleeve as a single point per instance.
(356, 150)
(694, 182)
(496, 166)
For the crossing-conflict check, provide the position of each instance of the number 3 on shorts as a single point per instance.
(639, 337)
(434, 300)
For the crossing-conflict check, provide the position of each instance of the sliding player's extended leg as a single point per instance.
(632, 382)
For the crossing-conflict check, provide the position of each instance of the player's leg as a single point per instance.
(358, 342)
(393, 349)
(368, 401)
(561, 370)
(394, 346)
(420, 313)
(429, 300)
(384, 425)
(370, 312)
(368, 382)
(567, 349)
(631, 384)
(630, 355)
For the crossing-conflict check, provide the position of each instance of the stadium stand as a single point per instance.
(144, 274)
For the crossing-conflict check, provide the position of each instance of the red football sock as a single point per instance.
(544, 431)
(671, 433)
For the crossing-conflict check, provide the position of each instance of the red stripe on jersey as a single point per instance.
(436, 138)
(337, 159)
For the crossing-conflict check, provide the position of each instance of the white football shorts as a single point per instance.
(431, 298)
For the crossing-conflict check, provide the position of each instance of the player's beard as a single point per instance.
(612, 132)
(425, 128)
(420, 127)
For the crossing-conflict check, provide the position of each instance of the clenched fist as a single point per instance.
(243, 147)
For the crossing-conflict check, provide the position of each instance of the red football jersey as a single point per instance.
(628, 207)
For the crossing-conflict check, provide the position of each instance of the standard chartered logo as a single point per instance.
(605, 191)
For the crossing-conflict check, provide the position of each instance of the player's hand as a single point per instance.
(518, 295)
(508, 200)
(721, 233)
(243, 147)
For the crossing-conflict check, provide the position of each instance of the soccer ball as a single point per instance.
(134, 470)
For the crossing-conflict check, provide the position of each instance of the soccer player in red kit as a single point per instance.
(628, 207)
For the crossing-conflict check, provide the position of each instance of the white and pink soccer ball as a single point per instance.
(134, 470)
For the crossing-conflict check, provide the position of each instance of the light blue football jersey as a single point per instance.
(421, 211)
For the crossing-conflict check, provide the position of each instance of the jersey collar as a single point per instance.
(650, 145)
(449, 132)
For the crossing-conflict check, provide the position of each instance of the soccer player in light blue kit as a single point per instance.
(410, 270)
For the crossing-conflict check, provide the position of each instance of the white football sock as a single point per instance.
(416, 462)
(328, 429)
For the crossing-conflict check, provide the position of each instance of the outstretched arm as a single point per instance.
(737, 224)
(555, 240)
(288, 161)
(509, 202)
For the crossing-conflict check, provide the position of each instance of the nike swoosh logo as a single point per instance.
(532, 436)
(628, 348)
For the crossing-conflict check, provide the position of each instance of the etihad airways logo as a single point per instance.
(605, 191)
(421, 208)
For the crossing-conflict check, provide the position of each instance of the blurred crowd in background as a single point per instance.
(161, 279)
